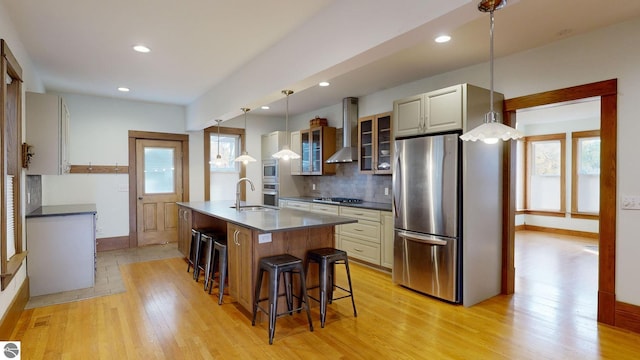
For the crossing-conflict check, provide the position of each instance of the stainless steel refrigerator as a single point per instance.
(427, 205)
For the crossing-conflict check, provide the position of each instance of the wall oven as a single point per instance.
(270, 194)
(270, 171)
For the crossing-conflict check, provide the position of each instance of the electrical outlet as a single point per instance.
(386, 191)
(313, 186)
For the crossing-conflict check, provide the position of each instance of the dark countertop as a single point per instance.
(363, 205)
(265, 221)
(62, 210)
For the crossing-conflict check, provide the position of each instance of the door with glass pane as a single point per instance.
(159, 187)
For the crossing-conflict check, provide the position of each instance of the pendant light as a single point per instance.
(218, 162)
(245, 157)
(286, 153)
(492, 129)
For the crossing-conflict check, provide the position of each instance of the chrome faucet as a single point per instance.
(238, 190)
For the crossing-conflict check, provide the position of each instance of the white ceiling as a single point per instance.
(202, 48)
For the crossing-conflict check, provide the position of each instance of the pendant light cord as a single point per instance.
(491, 61)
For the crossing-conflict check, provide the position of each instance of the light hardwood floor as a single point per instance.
(166, 315)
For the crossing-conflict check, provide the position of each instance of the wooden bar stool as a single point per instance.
(285, 265)
(327, 258)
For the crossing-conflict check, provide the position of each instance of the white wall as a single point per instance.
(32, 82)
(99, 129)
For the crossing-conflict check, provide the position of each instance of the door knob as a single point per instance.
(139, 197)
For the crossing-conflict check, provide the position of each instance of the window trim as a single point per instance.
(575, 137)
(207, 156)
(528, 140)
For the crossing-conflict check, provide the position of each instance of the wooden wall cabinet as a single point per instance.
(47, 119)
(435, 111)
(375, 144)
(317, 145)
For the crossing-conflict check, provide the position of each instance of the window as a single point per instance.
(219, 181)
(545, 168)
(585, 184)
(229, 145)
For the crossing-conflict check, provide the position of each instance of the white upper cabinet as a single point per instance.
(272, 142)
(435, 111)
(47, 127)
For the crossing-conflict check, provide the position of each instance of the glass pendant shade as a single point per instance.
(286, 153)
(492, 129)
(245, 158)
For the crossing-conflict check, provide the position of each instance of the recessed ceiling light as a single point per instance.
(324, 83)
(123, 89)
(443, 38)
(141, 48)
(264, 107)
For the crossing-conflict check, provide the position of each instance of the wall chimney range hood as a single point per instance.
(349, 152)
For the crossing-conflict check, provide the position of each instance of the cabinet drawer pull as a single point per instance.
(358, 250)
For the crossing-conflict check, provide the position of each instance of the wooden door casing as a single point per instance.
(157, 213)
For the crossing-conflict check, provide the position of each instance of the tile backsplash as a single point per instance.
(34, 192)
(349, 182)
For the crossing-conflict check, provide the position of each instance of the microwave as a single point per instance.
(270, 171)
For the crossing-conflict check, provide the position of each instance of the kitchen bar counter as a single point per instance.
(252, 235)
(273, 220)
(362, 205)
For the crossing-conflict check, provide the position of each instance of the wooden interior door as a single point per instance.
(159, 187)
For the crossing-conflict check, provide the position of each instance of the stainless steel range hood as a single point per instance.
(349, 152)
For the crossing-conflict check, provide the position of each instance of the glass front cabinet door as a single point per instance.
(375, 140)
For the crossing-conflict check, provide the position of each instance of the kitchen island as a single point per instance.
(256, 233)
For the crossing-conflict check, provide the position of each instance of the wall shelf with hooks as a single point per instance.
(98, 169)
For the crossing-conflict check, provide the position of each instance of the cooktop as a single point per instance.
(338, 200)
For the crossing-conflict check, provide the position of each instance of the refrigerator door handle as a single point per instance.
(421, 238)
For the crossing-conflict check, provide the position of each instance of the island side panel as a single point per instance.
(294, 242)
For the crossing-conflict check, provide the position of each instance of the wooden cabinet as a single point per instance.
(47, 126)
(361, 240)
(316, 145)
(184, 230)
(239, 248)
(386, 239)
(435, 111)
(375, 142)
(299, 205)
(296, 164)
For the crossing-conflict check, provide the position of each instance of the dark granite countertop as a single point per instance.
(363, 205)
(265, 221)
(62, 210)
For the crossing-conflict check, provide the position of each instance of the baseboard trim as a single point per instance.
(112, 243)
(628, 316)
(11, 317)
(586, 234)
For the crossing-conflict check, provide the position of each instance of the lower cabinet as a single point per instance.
(361, 240)
(184, 230)
(370, 239)
(239, 252)
(386, 253)
(62, 252)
